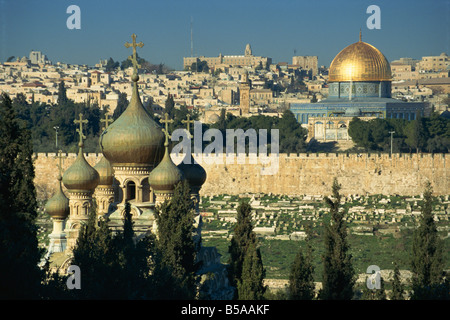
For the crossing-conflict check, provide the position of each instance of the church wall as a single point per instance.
(313, 174)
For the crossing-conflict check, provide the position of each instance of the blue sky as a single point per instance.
(409, 28)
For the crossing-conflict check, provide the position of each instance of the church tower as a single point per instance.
(133, 145)
(166, 175)
(105, 192)
(244, 94)
(80, 179)
(58, 209)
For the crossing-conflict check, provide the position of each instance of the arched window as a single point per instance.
(131, 191)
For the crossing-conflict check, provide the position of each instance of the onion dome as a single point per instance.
(58, 205)
(80, 176)
(360, 61)
(166, 175)
(105, 171)
(134, 138)
(193, 172)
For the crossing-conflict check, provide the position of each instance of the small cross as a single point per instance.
(134, 57)
(166, 121)
(107, 120)
(80, 130)
(188, 123)
(60, 157)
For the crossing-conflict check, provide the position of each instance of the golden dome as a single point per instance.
(166, 175)
(80, 176)
(359, 61)
(58, 205)
(134, 138)
(105, 171)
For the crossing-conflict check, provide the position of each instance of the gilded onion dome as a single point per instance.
(80, 176)
(193, 172)
(166, 175)
(58, 205)
(134, 138)
(105, 171)
(359, 61)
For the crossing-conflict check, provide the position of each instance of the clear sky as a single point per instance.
(275, 28)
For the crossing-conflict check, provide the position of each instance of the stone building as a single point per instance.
(359, 85)
(308, 63)
(135, 168)
(246, 60)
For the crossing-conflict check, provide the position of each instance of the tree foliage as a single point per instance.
(338, 273)
(251, 286)
(19, 252)
(175, 219)
(301, 278)
(427, 263)
(430, 134)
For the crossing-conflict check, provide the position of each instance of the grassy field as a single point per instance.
(382, 251)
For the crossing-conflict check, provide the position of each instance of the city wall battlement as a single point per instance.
(297, 174)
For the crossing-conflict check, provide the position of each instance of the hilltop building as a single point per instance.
(359, 82)
(246, 60)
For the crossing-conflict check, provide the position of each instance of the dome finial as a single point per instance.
(80, 129)
(188, 124)
(133, 58)
(60, 157)
(166, 121)
(360, 35)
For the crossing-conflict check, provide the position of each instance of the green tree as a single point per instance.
(251, 284)
(111, 65)
(122, 104)
(175, 220)
(95, 253)
(416, 134)
(427, 263)
(169, 106)
(397, 287)
(374, 294)
(62, 95)
(338, 273)
(19, 252)
(243, 238)
(301, 278)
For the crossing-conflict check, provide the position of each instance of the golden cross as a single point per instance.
(107, 120)
(80, 130)
(188, 122)
(134, 57)
(166, 121)
(60, 157)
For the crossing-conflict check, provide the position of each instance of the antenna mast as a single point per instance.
(192, 39)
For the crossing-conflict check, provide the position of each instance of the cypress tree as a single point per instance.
(19, 252)
(374, 294)
(122, 104)
(338, 273)
(427, 263)
(62, 95)
(243, 238)
(251, 284)
(301, 279)
(397, 287)
(176, 244)
(96, 254)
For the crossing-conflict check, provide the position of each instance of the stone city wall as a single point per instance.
(298, 174)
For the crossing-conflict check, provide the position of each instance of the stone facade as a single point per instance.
(403, 174)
